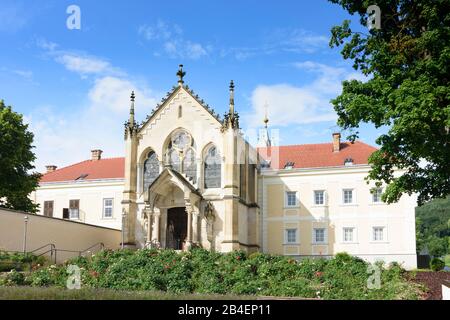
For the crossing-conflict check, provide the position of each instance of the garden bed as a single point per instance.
(236, 273)
(431, 280)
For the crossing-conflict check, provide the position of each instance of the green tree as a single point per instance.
(16, 162)
(432, 227)
(407, 62)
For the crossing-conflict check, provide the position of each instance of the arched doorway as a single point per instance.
(176, 228)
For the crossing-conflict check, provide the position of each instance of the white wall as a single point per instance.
(65, 235)
(90, 194)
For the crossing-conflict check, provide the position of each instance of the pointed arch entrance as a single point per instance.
(176, 228)
(172, 212)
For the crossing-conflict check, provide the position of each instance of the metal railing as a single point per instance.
(53, 251)
(81, 253)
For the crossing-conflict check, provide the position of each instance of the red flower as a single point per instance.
(94, 274)
(238, 258)
(318, 274)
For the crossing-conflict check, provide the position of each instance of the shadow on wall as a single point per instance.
(68, 237)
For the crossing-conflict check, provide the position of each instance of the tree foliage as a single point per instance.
(407, 62)
(16, 162)
(433, 227)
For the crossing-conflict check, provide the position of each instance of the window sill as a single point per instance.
(319, 243)
(348, 205)
(319, 206)
(349, 242)
(293, 207)
(107, 218)
(379, 242)
(376, 203)
(291, 244)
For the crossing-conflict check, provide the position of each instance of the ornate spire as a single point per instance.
(132, 103)
(231, 97)
(180, 75)
(231, 119)
(266, 119)
(267, 141)
(130, 125)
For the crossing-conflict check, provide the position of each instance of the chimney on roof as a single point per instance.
(336, 142)
(50, 168)
(96, 154)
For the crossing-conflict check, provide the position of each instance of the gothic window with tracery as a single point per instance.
(212, 168)
(181, 154)
(174, 160)
(151, 169)
(190, 165)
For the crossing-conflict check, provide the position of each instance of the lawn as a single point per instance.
(55, 293)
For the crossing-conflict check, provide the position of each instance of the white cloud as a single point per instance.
(290, 105)
(79, 62)
(85, 65)
(280, 40)
(113, 93)
(64, 138)
(26, 74)
(173, 42)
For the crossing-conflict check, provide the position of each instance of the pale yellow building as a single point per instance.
(189, 178)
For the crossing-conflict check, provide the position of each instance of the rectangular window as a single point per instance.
(291, 235)
(378, 233)
(48, 208)
(74, 209)
(347, 195)
(319, 235)
(107, 208)
(376, 195)
(291, 198)
(348, 234)
(319, 196)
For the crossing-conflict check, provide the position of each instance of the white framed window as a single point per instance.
(291, 198)
(347, 196)
(319, 235)
(378, 234)
(74, 209)
(108, 208)
(348, 234)
(376, 195)
(319, 197)
(291, 236)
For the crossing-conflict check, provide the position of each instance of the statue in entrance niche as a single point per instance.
(171, 236)
(210, 218)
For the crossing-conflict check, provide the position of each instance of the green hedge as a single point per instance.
(205, 272)
(19, 261)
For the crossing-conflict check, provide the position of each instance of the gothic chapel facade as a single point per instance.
(190, 178)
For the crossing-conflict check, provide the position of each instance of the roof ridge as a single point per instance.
(71, 165)
(319, 143)
(84, 161)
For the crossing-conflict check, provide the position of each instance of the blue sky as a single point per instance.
(73, 86)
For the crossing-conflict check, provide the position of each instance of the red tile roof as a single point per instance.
(108, 168)
(303, 156)
(317, 155)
